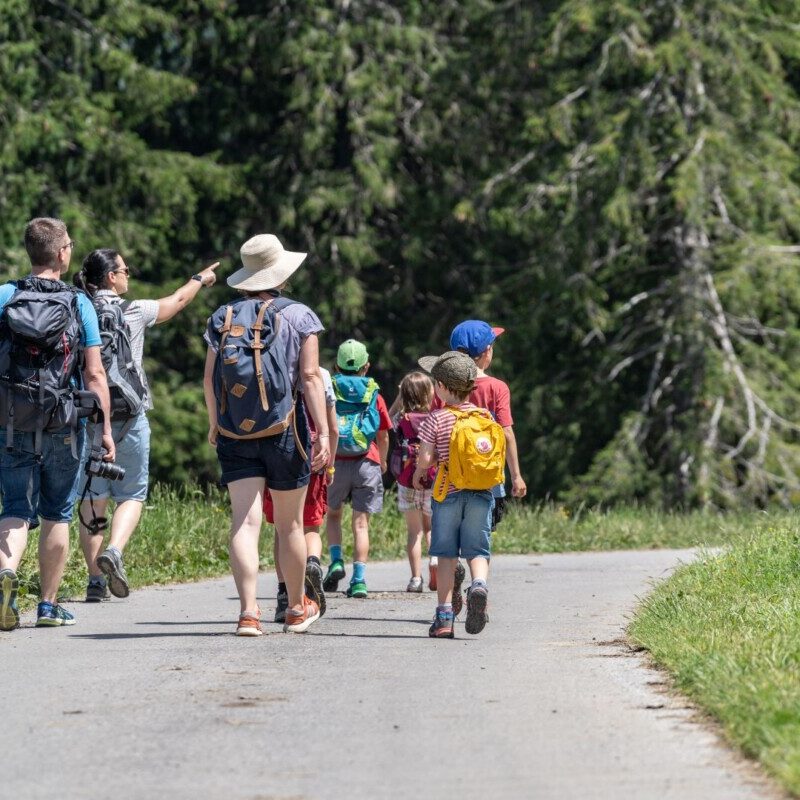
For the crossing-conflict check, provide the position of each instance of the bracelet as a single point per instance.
(199, 279)
(330, 470)
(323, 436)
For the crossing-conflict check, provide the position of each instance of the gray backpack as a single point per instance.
(125, 384)
(40, 351)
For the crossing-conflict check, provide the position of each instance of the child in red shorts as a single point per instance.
(314, 510)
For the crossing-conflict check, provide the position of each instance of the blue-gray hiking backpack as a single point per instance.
(40, 352)
(125, 385)
(357, 413)
(254, 394)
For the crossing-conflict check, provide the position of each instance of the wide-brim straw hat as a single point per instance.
(266, 264)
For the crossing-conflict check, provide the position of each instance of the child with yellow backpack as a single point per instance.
(470, 449)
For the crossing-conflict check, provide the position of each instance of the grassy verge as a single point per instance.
(728, 629)
(183, 536)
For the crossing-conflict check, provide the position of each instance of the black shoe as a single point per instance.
(97, 592)
(110, 564)
(280, 609)
(314, 590)
(477, 600)
(458, 598)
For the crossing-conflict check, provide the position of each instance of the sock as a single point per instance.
(479, 582)
(336, 552)
(281, 588)
(358, 571)
(313, 560)
(434, 561)
(445, 609)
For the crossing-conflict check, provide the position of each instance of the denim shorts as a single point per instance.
(133, 455)
(461, 525)
(277, 459)
(46, 488)
(359, 479)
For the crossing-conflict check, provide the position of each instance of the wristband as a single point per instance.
(198, 278)
(323, 436)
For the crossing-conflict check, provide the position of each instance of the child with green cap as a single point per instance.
(361, 460)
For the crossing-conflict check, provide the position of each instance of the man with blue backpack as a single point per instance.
(361, 460)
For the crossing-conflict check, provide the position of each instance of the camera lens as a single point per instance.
(113, 472)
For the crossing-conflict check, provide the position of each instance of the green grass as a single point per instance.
(183, 537)
(728, 629)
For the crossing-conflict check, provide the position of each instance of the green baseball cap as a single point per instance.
(351, 355)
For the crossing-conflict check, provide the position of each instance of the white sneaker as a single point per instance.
(414, 585)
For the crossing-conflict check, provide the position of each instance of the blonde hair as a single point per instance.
(416, 392)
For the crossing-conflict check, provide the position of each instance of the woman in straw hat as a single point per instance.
(277, 456)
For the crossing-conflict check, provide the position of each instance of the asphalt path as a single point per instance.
(154, 697)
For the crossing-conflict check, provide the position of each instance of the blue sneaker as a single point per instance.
(49, 615)
(442, 627)
(9, 586)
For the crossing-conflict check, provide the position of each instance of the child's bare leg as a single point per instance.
(360, 536)
(479, 568)
(447, 568)
(276, 549)
(313, 540)
(333, 527)
(414, 543)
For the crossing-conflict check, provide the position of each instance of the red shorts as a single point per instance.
(316, 501)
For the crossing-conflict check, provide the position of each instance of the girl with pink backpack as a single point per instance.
(416, 397)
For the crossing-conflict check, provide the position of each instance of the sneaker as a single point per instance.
(314, 590)
(414, 585)
(110, 563)
(477, 600)
(299, 622)
(458, 599)
(280, 608)
(97, 592)
(335, 574)
(9, 586)
(249, 624)
(433, 571)
(357, 589)
(52, 615)
(442, 627)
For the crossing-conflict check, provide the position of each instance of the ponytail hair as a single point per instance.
(96, 266)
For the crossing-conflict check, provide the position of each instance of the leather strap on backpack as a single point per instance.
(226, 329)
(258, 346)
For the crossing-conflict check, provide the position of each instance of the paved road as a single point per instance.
(153, 697)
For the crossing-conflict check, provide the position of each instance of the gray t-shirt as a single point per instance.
(301, 322)
(139, 314)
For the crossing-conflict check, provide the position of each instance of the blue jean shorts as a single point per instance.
(133, 455)
(461, 525)
(32, 488)
(277, 459)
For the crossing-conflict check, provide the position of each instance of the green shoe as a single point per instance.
(357, 589)
(335, 574)
(9, 586)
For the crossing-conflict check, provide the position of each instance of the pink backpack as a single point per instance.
(403, 458)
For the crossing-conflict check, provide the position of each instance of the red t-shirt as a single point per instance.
(493, 395)
(385, 425)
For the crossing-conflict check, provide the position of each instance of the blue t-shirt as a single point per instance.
(90, 328)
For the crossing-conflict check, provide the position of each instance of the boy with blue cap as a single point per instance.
(476, 338)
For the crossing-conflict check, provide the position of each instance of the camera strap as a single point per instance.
(97, 524)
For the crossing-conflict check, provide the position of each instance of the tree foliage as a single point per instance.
(616, 183)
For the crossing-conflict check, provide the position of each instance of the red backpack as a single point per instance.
(403, 458)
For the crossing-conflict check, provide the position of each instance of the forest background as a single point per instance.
(615, 183)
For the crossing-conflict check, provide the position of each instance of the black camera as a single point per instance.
(103, 469)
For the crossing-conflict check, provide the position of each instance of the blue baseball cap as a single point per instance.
(473, 336)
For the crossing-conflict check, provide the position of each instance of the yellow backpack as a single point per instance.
(477, 453)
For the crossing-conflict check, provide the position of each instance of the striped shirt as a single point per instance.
(437, 428)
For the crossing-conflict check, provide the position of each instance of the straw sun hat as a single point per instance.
(266, 264)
